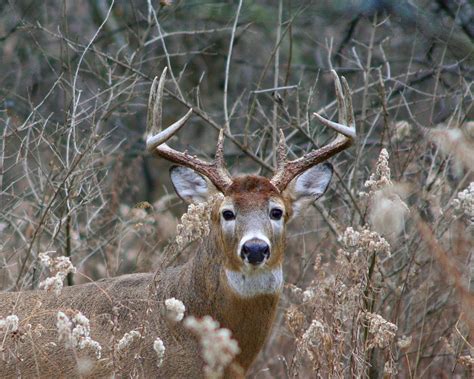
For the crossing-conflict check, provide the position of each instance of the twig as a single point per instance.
(227, 67)
(276, 75)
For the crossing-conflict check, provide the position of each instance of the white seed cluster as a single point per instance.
(64, 326)
(218, 347)
(128, 339)
(464, 202)
(387, 211)
(365, 241)
(382, 176)
(195, 222)
(390, 369)
(314, 335)
(404, 342)
(381, 331)
(403, 130)
(9, 324)
(59, 267)
(466, 361)
(159, 348)
(76, 332)
(174, 309)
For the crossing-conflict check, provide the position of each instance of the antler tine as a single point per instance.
(155, 111)
(346, 125)
(219, 158)
(349, 109)
(281, 160)
(286, 171)
(341, 103)
(281, 149)
(219, 162)
(150, 122)
(156, 140)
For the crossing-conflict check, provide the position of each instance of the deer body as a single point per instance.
(201, 283)
(235, 276)
(126, 298)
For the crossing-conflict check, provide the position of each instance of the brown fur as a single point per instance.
(135, 302)
(257, 185)
(251, 195)
(262, 190)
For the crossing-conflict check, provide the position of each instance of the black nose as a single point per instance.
(255, 251)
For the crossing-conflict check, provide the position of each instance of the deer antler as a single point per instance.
(287, 170)
(156, 138)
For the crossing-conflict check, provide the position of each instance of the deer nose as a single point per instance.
(255, 251)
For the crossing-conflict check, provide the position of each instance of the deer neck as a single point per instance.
(245, 303)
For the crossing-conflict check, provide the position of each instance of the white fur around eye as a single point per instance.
(277, 226)
(228, 226)
(277, 223)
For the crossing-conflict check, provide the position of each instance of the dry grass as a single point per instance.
(379, 274)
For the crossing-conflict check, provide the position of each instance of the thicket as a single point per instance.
(379, 273)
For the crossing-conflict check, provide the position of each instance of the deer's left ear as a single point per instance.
(309, 186)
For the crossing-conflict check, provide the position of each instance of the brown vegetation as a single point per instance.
(379, 274)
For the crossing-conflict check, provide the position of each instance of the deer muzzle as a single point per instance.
(255, 251)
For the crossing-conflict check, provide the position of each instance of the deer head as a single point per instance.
(249, 222)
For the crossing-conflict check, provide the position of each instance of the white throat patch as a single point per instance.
(258, 283)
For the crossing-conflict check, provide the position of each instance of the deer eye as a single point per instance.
(228, 215)
(276, 214)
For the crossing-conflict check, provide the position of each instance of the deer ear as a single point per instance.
(309, 186)
(191, 186)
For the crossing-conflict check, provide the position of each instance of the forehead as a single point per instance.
(252, 191)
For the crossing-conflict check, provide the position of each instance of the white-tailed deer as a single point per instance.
(235, 276)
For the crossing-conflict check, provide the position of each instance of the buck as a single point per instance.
(235, 276)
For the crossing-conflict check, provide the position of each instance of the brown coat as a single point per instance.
(118, 305)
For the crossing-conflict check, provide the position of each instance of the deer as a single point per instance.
(235, 275)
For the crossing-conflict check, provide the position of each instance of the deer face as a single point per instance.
(250, 221)
(249, 224)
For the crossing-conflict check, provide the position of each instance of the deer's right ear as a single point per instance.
(191, 186)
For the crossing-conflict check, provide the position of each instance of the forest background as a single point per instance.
(76, 181)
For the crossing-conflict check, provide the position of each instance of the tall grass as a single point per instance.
(379, 273)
